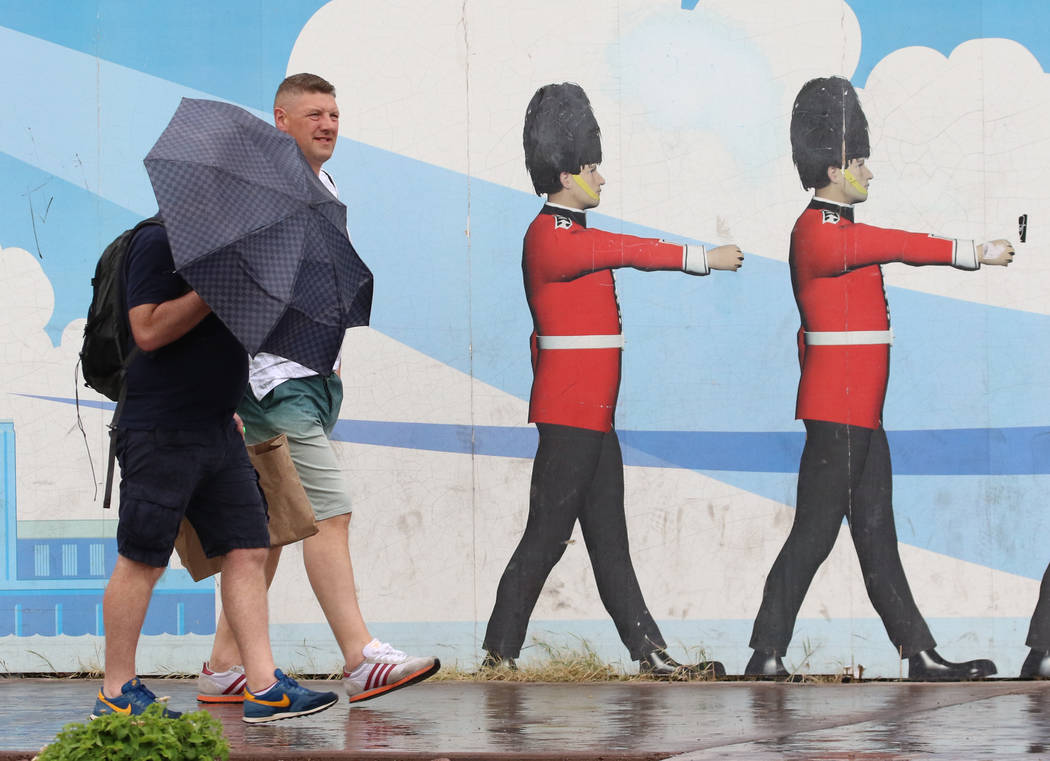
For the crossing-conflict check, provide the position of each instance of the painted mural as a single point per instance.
(697, 102)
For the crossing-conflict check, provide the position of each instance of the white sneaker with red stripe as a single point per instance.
(221, 686)
(385, 670)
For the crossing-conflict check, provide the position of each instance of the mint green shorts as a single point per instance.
(306, 411)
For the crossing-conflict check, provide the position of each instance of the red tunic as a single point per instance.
(837, 278)
(571, 292)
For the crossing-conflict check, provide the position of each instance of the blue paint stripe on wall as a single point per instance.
(952, 451)
(966, 493)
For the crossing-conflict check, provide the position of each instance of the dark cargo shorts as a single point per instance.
(204, 474)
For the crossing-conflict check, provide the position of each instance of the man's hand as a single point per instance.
(725, 258)
(239, 423)
(999, 251)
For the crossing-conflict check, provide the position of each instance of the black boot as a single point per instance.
(929, 666)
(766, 663)
(1036, 665)
(661, 665)
(493, 661)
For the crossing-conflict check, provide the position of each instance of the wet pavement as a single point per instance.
(696, 721)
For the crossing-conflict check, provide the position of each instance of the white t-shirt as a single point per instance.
(268, 371)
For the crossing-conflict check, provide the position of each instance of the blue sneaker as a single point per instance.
(285, 700)
(135, 697)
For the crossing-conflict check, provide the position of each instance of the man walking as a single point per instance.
(286, 397)
(576, 345)
(181, 454)
(844, 351)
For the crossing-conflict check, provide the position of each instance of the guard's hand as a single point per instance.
(725, 258)
(239, 423)
(999, 252)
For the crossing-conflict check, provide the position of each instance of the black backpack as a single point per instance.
(104, 357)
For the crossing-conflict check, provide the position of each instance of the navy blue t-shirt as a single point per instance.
(193, 382)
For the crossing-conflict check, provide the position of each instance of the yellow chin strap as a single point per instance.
(586, 187)
(853, 181)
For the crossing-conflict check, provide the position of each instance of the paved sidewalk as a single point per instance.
(628, 720)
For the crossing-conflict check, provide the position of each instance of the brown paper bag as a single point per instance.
(291, 516)
(188, 546)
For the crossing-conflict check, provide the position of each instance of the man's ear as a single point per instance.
(834, 175)
(566, 180)
(280, 118)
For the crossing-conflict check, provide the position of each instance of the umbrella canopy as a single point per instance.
(256, 234)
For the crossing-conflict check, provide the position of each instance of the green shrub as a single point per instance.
(148, 737)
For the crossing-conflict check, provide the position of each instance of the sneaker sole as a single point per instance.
(93, 716)
(409, 680)
(288, 714)
(203, 698)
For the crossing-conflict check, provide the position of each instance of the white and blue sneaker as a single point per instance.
(135, 697)
(284, 700)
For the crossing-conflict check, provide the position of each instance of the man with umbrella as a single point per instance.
(303, 401)
(181, 454)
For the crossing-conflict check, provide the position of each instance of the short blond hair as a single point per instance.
(297, 84)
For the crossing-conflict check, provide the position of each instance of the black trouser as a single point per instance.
(577, 474)
(1039, 629)
(845, 472)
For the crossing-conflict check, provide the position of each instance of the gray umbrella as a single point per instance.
(256, 234)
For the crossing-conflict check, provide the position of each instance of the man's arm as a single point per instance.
(157, 325)
(558, 254)
(833, 249)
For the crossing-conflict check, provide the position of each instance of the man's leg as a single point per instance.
(229, 515)
(124, 607)
(326, 556)
(306, 411)
(562, 472)
(604, 527)
(156, 481)
(831, 463)
(244, 602)
(270, 695)
(224, 651)
(875, 538)
(1039, 627)
(1037, 662)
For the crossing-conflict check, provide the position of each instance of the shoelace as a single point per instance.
(140, 687)
(385, 650)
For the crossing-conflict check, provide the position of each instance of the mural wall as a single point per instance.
(694, 100)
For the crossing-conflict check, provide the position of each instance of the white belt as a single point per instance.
(848, 337)
(614, 341)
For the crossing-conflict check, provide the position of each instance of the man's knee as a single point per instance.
(329, 527)
(246, 558)
(127, 567)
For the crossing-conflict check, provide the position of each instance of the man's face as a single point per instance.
(584, 188)
(852, 182)
(312, 118)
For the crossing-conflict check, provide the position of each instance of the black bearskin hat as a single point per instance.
(560, 135)
(825, 119)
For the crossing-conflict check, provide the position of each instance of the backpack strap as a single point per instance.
(107, 493)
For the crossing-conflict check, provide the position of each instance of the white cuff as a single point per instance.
(964, 255)
(694, 260)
